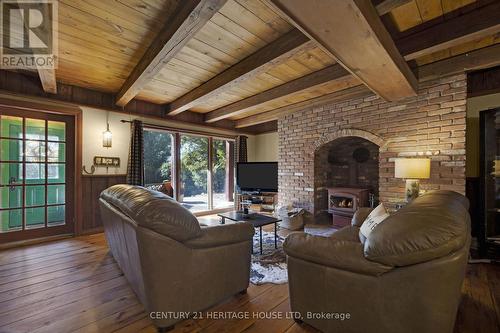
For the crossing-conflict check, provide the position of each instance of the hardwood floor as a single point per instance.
(74, 285)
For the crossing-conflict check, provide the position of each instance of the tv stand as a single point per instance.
(261, 202)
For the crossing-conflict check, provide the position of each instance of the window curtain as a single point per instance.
(135, 168)
(241, 149)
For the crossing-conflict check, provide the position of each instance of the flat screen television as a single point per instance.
(257, 176)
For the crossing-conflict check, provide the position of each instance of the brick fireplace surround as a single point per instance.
(432, 123)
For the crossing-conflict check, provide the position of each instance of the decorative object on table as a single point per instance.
(101, 161)
(245, 205)
(269, 267)
(412, 169)
(291, 218)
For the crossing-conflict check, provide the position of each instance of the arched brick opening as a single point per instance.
(335, 165)
(330, 136)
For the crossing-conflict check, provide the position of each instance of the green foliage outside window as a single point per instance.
(194, 161)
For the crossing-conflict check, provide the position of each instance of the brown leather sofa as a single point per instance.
(405, 277)
(174, 264)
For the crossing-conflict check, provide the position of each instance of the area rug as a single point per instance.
(270, 267)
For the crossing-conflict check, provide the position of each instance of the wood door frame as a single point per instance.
(66, 109)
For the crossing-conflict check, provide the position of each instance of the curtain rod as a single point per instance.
(174, 129)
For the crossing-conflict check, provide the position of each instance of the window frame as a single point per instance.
(176, 163)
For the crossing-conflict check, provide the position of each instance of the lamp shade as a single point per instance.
(412, 168)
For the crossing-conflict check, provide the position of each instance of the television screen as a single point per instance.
(257, 176)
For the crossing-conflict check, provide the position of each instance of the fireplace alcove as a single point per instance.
(347, 162)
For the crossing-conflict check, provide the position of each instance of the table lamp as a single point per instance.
(412, 169)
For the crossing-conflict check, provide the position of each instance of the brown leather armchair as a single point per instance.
(405, 277)
(173, 263)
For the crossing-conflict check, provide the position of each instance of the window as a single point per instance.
(205, 168)
(194, 172)
(157, 157)
(222, 175)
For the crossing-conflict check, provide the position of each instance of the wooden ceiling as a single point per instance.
(244, 59)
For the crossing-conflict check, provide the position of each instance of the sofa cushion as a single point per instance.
(153, 210)
(430, 227)
(374, 218)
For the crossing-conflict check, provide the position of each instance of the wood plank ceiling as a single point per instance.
(246, 58)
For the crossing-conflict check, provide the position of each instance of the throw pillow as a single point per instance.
(377, 216)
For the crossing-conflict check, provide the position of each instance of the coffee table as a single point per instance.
(257, 220)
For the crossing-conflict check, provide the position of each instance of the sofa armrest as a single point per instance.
(222, 234)
(345, 255)
(360, 216)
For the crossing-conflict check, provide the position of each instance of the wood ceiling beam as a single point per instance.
(388, 6)
(473, 25)
(328, 74)
(479, 59)
(259, 62)
(47, 76)
(48, 80)
(186, 21)
(353, 33)
(338, 96)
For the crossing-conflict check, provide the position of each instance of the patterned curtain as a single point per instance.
(241, 149)
(135, 168)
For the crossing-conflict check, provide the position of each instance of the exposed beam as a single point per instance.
(479, 59)
(388, 6)
(473, 25)
(259, 62)
(47, 76)
(23, 84)
(48, 79)
(187, 20)
(328, 74)
(338, 96)
(352, 32)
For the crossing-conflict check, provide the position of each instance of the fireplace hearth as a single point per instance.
(346, 175)
(343, 203)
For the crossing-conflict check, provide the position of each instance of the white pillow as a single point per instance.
(377, 216)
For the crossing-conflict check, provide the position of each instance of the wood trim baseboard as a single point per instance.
(105, 175)
(34, 241)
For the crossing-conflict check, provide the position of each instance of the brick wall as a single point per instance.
(430, 124)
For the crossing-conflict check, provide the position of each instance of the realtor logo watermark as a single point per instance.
(29, 34)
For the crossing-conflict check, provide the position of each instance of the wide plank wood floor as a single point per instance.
(74, 285)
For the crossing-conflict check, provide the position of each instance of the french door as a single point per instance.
(36, 174)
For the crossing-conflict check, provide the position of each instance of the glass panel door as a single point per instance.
(222, 174)
(158, 159)
(33, 164)
(194, 172)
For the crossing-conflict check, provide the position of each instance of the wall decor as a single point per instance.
(101, 161)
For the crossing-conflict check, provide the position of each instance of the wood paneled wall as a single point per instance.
(92, 186)
(483, 82)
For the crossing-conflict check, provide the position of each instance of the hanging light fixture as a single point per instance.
(107, 136)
